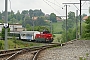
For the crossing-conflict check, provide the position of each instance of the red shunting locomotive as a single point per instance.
(44, 36)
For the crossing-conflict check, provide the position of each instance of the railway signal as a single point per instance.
(6, 25)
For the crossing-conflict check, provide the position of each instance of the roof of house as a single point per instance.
(11, 24)
(85, 17)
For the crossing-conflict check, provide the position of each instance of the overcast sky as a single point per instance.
(47, 6)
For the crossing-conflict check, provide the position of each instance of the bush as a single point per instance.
(0, 45)
(53, 35)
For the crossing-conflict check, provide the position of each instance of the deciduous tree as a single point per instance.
(87, 35)
(53, 17)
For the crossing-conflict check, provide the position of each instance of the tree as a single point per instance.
(13, 21)
(3, 13)
(31, 13)
(53, 17)
(23, 13)
(71, 15)
(0, 16)
(11, 15)
(70, 21)
(3, 33)
(1, 45)
(38, 13)
(18, 16)
(70, 27)
(83, 30)
(40, 21)
(27, 20)
(87, 34)
(41, 28)
(28, 27)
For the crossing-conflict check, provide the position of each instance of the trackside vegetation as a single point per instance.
(18, 44)
(28, 18)
(87, 28)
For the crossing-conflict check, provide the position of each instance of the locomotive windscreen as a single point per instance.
(45, 32)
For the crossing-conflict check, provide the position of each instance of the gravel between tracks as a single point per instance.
(71, 51)
(25, 56)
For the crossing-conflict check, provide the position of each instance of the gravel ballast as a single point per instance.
(75, 50)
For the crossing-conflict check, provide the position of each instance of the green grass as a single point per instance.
(57, 38)
(23, 44)
(57, 27)
(18, 44)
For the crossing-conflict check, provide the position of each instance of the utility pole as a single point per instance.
(6, 21)
(66, 23)
(51, 27)
(33, 22)
(76, 25)
(80, 20)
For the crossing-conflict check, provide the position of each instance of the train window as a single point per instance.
(46, 32)
(23, 34)
(28, 34)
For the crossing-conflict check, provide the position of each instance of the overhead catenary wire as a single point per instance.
(53, 3)
(83, 3)
(76, 7)
(57, 2)
(51, 6)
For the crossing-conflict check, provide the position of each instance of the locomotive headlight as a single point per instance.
(51, 37)
(47, 38)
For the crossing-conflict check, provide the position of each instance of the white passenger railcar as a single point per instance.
(28, 35)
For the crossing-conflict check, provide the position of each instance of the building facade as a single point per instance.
(13, 27)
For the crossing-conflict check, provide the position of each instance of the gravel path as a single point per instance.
(71, 51)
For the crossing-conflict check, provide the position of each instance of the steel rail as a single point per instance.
(39, 49)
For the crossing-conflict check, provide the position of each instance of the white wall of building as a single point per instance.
(12, 27)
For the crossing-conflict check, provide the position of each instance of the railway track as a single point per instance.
(25, 53)
(6, 53)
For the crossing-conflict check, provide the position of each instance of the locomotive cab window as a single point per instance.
(45, 32)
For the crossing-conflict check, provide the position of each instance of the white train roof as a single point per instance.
(29, 32)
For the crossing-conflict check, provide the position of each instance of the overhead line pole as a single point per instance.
(66, 22)
(76, 13)
(66, 18)
(76, 25)
(6, 19)
(80, 19)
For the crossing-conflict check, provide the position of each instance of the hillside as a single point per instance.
(57, 27)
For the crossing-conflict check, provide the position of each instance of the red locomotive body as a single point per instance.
(45, 36)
